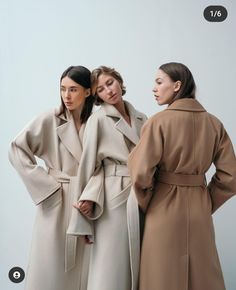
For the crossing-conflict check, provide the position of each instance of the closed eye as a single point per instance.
(99, 90)
(110, 82)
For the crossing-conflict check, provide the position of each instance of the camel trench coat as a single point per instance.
(104, 179)
(57, 262)
(177, 147)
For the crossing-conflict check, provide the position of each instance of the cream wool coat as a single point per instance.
(104, 179)
(176, 148)
(57, 262)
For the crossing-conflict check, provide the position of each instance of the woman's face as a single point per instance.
(73, 94)
(109, 89)
(164, 89)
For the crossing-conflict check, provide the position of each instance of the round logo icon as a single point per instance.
(16, 274)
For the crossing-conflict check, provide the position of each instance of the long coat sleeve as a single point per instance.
(90, 173)
(31, 142)
(223, 183)
(142, 162)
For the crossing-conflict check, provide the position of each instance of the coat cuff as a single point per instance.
(94, 191)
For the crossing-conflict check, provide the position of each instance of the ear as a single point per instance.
(88, 93)
(177, 86)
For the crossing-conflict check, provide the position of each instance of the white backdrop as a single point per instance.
(39, 39)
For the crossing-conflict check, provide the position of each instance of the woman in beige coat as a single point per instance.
(57, 262)
(112, 218)
(168, 166)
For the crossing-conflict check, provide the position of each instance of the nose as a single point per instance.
(108, 90)
(67, 94)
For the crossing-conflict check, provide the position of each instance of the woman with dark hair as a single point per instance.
(57, 262)
(106, 211)
(167, 167)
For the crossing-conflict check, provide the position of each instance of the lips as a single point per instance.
(112, 97)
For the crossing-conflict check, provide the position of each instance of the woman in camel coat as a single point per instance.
(57, 262)
(113, 224)
(168, 166)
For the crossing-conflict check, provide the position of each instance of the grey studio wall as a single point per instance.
(39, 39)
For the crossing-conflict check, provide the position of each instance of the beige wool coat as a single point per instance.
(104, 179)
(177, 147)
(57, 262)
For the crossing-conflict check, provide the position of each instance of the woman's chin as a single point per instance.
(159, 102)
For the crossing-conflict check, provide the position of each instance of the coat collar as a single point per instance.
(186, 104)
(137, 119)
(68, 134)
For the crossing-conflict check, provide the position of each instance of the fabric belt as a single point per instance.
(116, 170)
(71, 241)
(181, 179)
(59, 175)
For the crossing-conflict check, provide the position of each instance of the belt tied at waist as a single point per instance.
(60, 176)
(71, 241)
(116, 170)
(181, 179)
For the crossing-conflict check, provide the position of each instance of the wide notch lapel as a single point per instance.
(127, 131)
(137, 119)
(68, 135)
(121, 125)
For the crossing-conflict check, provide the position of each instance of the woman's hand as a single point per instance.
(87, 240)
(85, 207)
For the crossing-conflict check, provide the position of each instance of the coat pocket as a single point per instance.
(53, 200)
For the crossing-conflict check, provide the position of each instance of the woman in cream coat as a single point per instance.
(168, 166)
(111, 221)
(57, 262)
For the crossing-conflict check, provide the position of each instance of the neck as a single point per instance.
(121, 108)
(76, 114)
(123, 111)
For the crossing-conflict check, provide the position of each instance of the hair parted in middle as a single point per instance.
(82, 76)
(106, 71)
